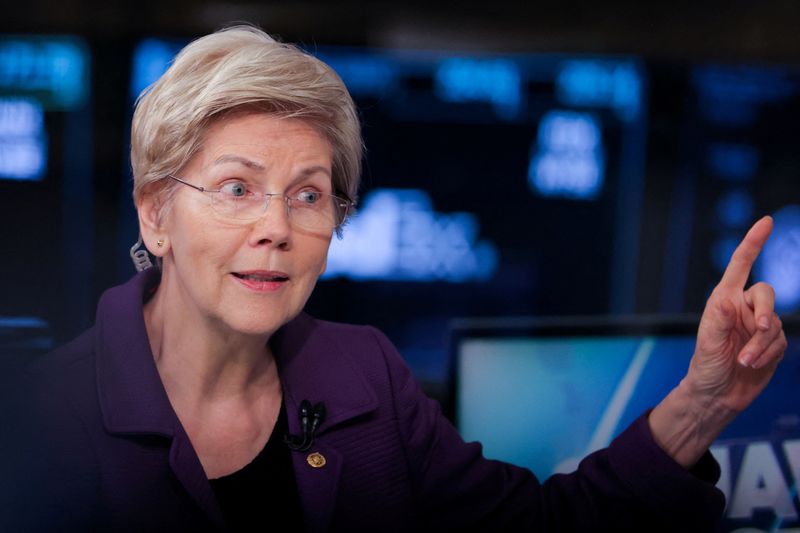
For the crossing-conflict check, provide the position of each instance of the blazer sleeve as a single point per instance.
(632, 485)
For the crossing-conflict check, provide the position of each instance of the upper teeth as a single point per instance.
(258, 277)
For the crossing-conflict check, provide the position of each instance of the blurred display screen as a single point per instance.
(398, 236)
(490, 167)
(54, 70)
(23, 140)
(543, 395)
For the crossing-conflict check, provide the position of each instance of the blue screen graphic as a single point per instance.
(55, 70)
(495, 81)
(568, 156)
(580, 392)
(615, 85)
(398, 236)
(23, 139)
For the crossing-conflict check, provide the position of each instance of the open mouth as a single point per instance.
(259, 277)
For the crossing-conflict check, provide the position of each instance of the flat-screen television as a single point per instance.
(543, 393)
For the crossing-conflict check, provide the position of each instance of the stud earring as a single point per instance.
(160, 243)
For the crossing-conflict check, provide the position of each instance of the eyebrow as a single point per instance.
(316, 169)
(310, 171)
(249, 163)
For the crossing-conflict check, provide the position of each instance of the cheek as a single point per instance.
(316, 255)
(324, 262)
(202, 247)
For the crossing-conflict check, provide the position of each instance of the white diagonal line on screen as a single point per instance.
(616, 407)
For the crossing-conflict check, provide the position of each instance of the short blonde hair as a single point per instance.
(240, 68)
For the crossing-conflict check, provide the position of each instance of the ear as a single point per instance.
(150, 209)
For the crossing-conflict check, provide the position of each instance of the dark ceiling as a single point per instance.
(675, 30)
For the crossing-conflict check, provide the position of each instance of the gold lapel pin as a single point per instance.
(316, 460)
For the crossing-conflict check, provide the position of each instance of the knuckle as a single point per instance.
(770, 290)
(747, 255)
(764, 288)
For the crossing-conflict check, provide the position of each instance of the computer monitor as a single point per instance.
(543, 393)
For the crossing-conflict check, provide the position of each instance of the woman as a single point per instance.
(178, 409)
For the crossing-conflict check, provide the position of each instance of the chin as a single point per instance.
(256, 323)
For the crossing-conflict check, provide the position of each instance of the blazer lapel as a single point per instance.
(187, 468)
(315, 366)
(317, 484)
(132, 397)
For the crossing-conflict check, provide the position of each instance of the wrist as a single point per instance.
(687, 422)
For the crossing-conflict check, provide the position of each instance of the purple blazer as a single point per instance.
(96, 445)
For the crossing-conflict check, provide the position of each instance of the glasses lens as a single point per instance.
(314, 211)
(317, 212)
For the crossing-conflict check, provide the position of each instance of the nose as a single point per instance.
(274, 227)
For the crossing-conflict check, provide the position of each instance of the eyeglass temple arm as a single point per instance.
(201, 189)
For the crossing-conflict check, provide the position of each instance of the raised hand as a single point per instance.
(740, 339)
(740, 342)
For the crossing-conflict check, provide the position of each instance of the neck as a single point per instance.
(200, 360)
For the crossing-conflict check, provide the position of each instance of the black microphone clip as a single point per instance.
(310, 420)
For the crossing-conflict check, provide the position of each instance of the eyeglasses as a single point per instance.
(237, 201)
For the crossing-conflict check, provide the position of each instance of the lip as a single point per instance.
(278, 281)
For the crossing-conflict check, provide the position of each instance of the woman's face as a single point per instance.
(250, 277)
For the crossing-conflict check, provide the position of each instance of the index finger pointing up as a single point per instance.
(738, 269)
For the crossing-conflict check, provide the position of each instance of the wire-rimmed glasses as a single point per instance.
(308, 209)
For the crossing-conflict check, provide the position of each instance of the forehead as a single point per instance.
(258, 140)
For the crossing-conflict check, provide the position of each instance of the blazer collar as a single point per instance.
(315, 365)
(132, 397)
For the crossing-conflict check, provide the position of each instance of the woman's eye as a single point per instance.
(309, 197)
(235, 189)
